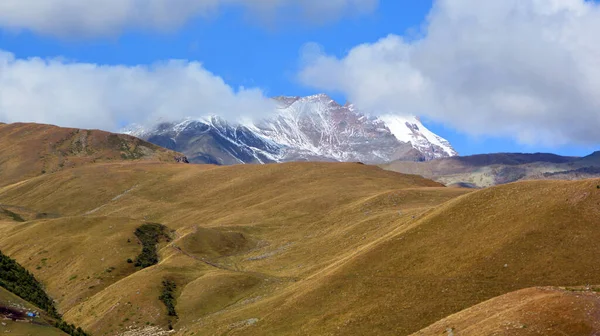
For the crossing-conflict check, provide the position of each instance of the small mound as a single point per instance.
(205, 242)
(532, 311)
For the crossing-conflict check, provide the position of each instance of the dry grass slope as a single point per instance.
(532, 311)
(468, 250)
(292, 249)
(243, 233)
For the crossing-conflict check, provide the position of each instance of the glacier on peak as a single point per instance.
(313, 128)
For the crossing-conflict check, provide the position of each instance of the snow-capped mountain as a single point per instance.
(305, 128)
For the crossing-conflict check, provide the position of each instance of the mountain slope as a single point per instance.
(469, 250)
(32, 149)
(493, 169)
(313, 128)
(294, 248)
(242, 235)
(298, 248)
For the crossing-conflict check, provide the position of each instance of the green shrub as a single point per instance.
(70, 329)
(149, 235)
(168, 296)
(19, 281)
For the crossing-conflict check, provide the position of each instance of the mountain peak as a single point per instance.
(314, 128)
(289, 100)
(319, 96)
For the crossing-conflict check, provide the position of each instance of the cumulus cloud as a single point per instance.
(86, 95)
(107, 17)
(528, 69)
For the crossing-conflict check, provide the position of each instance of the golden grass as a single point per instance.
(297, 248)
(468, 250)
(243, 232)
(74, 257)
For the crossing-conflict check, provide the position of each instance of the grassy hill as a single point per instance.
(295, 248)
(241, 232)
(466, 251)
(33, 149)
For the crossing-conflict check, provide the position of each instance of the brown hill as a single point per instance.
(292, 249)
(33, 149)
(243, 233)
(468, 250)
(533, 311)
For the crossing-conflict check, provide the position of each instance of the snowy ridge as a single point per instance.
(410, 129)
(304, 128)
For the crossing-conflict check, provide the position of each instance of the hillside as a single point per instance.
(494, 169)
(247, 232)
(289, 249)
(466, 251)
(531, 311)
(33, 149)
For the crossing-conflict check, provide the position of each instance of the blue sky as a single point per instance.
(247, 52)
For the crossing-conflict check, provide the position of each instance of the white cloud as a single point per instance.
(95, 96)
(108, 17)
(528, 69)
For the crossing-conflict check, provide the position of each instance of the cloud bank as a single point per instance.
(86, 95)
(527, 69)
(76, 18)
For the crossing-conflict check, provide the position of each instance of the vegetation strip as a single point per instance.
(20, 282)
(149, 235)
(168, 298)
(70, 329)
(17, 280)
(15, 216)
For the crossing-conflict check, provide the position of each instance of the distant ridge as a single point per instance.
(30, 150)
(484, 170)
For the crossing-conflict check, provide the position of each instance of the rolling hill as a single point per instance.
(244, 231)
(298, 248)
